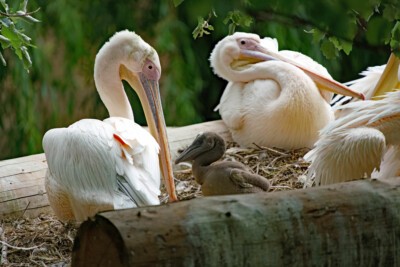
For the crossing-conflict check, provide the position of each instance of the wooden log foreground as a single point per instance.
(22, 189)
(348, 224)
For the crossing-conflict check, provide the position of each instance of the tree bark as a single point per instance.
(22, 189)
(348, 224)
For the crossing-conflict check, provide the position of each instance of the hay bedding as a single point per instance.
(45, 241)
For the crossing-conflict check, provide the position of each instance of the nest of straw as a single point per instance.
(285, 169)
(45, 241)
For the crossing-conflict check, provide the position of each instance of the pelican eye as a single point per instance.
(243, 42)
(150, 70)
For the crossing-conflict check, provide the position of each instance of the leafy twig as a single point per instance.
(203, 26)
(237, 18)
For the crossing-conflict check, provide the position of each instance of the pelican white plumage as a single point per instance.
(273, 103)
(112, 164)
(365, 140)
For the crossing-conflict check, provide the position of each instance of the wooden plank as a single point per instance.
(24, 159)
(22, 179)
(26, 164)
(25, 201)
(15, 182)
(347, 224)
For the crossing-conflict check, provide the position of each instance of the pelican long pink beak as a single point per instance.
(149, 95)
(390, 78)
(325, 83)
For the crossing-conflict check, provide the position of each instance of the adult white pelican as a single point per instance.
(364, 139)
(273, 103)
(112, 164)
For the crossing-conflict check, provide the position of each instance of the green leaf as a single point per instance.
(26, 59)
(317, 35)
(340, 44)
(328, 49)
(177, 2)
(4, 4)
(347, 46)
(391, 12)
(4, 40)
(238, 18)
(202, 27)
(24, 5)
(378, 31)
(6, 22)
(12, 35)
(335, 42)
(213, 13)
(364, 8)
(199, 28)
(231, 28)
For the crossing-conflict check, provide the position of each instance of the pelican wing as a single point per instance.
(230, 105)
(245, 179)
(92, 171)
(346, 155)
(355, 144)
(137, 164)
(370, 113)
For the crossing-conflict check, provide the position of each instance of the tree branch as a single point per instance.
(295, 21)
(18, 15)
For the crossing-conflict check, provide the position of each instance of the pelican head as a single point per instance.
(235, 55)
(137, 63)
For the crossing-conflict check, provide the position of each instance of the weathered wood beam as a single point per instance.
(22, 189)
(348, 224)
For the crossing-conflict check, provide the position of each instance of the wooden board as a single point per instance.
(22, 189)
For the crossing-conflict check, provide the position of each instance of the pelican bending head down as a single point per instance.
(100, 165)
(273, 98)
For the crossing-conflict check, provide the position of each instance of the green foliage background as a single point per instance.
(59, 88)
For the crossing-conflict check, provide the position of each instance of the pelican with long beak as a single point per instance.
(112, 164)
(273, 98)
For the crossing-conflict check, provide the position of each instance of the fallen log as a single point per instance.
(348, 224)
(22, 189)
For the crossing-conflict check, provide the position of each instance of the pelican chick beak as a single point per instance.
(148, 92)
(390, 78)
(322, 82)
(191, 152)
